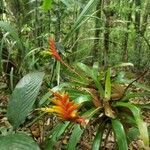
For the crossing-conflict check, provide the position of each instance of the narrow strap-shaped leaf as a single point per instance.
(56, 133)
(66, 2)
(133, 133)
(123, 65)
(77, 131)
(120, 134)
(85, 68)
(23, 98)
(75, 137)
(140, 123)
(81, 17)
(108, 85)
(98, 137)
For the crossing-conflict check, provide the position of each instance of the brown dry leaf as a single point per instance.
(117, 91)
(108, 110)
(96, 98)
(35, 130)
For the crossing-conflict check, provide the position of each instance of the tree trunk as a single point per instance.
(137, 43)
(125, 43)
(145, 17)
(96, 48)
(108, 18)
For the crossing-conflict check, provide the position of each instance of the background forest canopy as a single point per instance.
(108, 32)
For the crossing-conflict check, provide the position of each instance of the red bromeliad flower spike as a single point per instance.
(65, 109)
(53, 50)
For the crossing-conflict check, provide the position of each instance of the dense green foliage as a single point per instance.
(96, 40)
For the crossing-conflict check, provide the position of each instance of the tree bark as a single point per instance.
(126, 35)
(108, 18)
(96, 47)
(137, 43)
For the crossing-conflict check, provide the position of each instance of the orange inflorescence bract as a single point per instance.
(53, 50)
(65, 109)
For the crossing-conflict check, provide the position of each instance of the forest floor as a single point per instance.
(41, 127)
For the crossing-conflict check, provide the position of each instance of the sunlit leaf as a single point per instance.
(124, 65)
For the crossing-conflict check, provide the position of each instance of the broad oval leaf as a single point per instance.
(23, 98)
(120, 134)
(18, 141)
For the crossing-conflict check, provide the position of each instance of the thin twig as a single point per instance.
(143, 74)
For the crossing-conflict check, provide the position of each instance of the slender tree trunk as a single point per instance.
(137, 43)
(96, 48)
(75, 39)
(145, 17)
(58, 22)
(108, 15)
(126, 35)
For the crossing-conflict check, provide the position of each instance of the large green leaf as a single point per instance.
(140, 123)
(23, 98)
(75, 137)
(120, 134)
(18, 141)
(56, 133)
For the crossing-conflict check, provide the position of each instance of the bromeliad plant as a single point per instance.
(104, 100)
